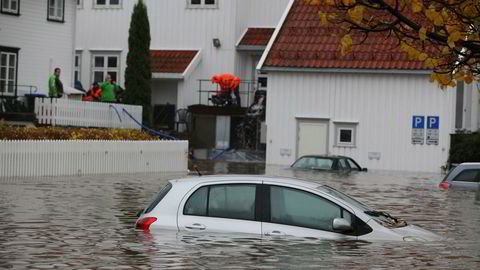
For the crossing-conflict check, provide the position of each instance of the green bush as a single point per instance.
(55, 133)
(465, 148)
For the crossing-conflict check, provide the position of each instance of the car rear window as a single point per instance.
(159, 197)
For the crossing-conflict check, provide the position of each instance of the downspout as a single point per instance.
(74, 39)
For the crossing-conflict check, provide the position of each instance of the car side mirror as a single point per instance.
(364, 170)
(341, 225)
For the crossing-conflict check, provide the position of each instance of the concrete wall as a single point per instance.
(382, 104)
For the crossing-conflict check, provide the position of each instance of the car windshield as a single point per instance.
(319, 163)
(381, 217)
(342, 196)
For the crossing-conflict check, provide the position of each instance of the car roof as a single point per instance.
(195, 180)
(324, 156)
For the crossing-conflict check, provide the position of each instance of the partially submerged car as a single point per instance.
(271, 206)
(327, 163)
(463, 176)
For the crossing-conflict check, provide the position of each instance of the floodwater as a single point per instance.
(87, 223)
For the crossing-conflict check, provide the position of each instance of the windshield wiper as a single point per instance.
(381, 213)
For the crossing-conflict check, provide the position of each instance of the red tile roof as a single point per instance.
(171, 61)
(303, 43)
(257, 37)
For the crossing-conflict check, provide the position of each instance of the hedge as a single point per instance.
(465, 148)
(56, 133)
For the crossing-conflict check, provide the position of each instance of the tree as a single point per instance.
(444, 34)
(137, 73)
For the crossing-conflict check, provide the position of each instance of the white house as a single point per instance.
(374, 105)
(190, 40)
(36, 36)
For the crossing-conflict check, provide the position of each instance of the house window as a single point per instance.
(10, 7)
(8, 70)
(105, 64)
(345, 134)
(56, 10)
(202, 3)
(107, 3)
(79, 3)
(78, 67)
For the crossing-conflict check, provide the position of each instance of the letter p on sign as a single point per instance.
(433, 122)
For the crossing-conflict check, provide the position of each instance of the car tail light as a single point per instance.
(444, 185)
(144, 223)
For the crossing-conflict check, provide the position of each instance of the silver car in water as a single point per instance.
(271, 207)
(463, 176)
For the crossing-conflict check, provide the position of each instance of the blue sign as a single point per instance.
(433, 122)
(418, 121)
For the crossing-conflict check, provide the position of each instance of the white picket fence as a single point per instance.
(63, 158)
(67, 112)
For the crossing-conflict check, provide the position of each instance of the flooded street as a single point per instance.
(87, 223)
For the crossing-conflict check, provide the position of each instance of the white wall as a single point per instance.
(471, 107)
(43, 44)
(174, 26)
(383, 105)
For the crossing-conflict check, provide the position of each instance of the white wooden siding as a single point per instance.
(383, 105)
(173, 26)
(43, 44)
(61, 158)
(67, 112)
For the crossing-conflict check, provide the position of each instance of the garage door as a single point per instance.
(312, 137)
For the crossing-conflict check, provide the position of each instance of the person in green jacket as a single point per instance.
(108, 90)
(55, 86)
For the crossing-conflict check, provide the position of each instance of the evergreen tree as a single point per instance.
(137, 73)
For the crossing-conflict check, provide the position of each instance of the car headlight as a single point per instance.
(413, 239)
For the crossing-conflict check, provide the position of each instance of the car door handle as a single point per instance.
(196, 226)
(274, 233)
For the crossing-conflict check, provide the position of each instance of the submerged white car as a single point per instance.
(271, 206)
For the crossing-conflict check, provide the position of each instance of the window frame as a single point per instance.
(10, 11)
(346, 126)
(77, 69)
(107, 5)
(105, 69)
(202, 5)
(257, 209)
(358, 225)
(477, 176)
(10, 51)
(56, 18)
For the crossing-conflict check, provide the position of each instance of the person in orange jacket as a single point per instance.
(93, 94)
(228, 83)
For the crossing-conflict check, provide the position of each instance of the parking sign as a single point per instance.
(418, 129)
(433, 125)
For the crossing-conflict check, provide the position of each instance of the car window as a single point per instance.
(163, 192)
(343, 164)
(354, 166)
(468, 176)
(304, 162)
(300, 208)
(324, 163)
(197, 203)
(224, 201)
(232, 201)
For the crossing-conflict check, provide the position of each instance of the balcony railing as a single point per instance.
(206, 89)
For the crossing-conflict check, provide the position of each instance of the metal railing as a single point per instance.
(206, 89)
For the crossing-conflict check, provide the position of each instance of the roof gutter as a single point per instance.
(275, 34)
(348, 70)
